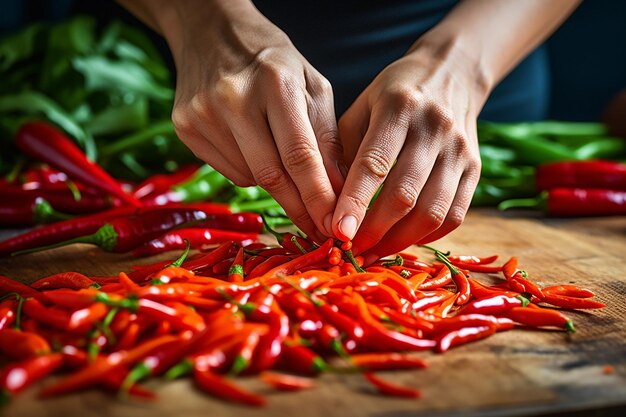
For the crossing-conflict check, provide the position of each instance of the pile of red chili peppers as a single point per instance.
(286, 313)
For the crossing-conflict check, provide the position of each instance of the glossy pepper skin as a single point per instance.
(18, 376)
(44, 142)
(581, 174)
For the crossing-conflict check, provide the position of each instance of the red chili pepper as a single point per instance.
(123, 234)
(199, 238)
(63, 201)
(16, 377)
(311, 258)
(479, 290)
(269, 264)
(574, 202)
(7, 313)
(388, 388)
(477, 267)
(210, 258)
(581, 174)
(301, 360)
(28, 211)
(103, 366)
(448, 324)
(235, 272)
(66, 280)
(571, 302)
(495, 305)
(462, 336)
(157, 184)
(16, 344)
(569, 291)
(8, 286)
(46, 143)
(222, 388)
(60, 231)
(294, 243)
(540, 317)
(443, 277)
(474, 260)
(387, 361)
(286, 382)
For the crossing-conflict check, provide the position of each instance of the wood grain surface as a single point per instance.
(513, 373)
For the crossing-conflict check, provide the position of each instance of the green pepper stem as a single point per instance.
(183, 367)
(105, 237)
(539, 202)
(43, 212)
(178, 262)
(277, 235)
(350, 256)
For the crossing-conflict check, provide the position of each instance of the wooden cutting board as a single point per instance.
(513, 373)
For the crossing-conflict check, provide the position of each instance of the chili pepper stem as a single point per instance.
(105, 237)
(178, 262)
(350, 256)
(569, 326)
(539, 202)
(44, 212)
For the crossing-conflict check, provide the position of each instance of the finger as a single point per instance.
(204, 150)
(299, 152)
(256, 143)
(381, 145)
(458, 210)
(352, 127)
(321, 109)
(400, 192)
(429, 213)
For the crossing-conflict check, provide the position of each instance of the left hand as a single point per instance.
(419, 113)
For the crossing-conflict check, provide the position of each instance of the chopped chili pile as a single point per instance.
(286, 313)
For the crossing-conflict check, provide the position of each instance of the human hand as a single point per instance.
(250, 105)
(420, 112)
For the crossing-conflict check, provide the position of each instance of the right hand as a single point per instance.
(250, 105)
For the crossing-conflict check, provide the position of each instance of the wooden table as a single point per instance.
(510, 374)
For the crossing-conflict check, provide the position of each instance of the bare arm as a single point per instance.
(249, 104)
(420, 112)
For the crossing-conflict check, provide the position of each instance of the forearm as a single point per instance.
(490, 37)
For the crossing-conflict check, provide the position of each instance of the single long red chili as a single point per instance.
(574, 202)
(8, 286)
(16, 377)
(60, 231)
(46, 143)
(7, 313)
(301, 360)
(387, 361)
(123, 234)
(17, 344)
(159, 183)
(571, 302)
(388, 388)
(285, 382)
(222, 388)
(540, 317)
(569, 290)
(581, 174)
(28, 211)
(66, 280)
(474, 260)
(199, 238)
(311, 258)
(462, 336)
(495, 305)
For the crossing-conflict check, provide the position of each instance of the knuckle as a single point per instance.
(375, 162)
(455, 218)
(228, 93)
(441, 117)
(329, 140)
(181, 120)
(405, 196)
(243, 181)
(312, 198)
(299, 155)
(435, 215)
(404, 100)
(357, 202)
(270, 177)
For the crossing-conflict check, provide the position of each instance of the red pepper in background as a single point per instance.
(17, 211)
(285, 382)
(574, 202)
(462, 336)
(581, 174)
(123, 234)
(199, 238)
(68, 280)
(16, 377)
(60, 231)
(7, 313)
(44, 142)
(222, 388)
(159, 183)
(388, 388)
(540, 317)
(17, 344)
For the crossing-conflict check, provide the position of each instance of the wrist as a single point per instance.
(453, 51)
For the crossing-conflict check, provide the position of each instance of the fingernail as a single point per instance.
(328, 224)
(347, 226)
